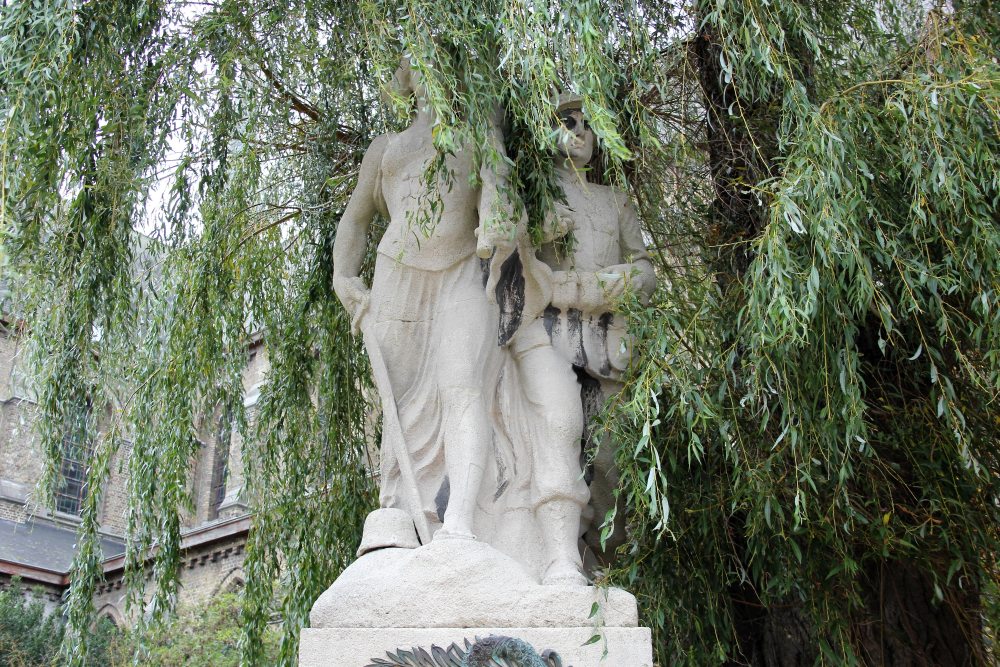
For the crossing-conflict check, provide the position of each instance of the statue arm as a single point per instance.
(352, 233)
(603, 288)
(642, 276)
(498, 224)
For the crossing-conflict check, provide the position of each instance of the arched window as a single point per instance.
(233, 583)
(110, 614)
(220, 463)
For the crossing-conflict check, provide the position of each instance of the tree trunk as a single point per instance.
(736, 217)
(907, 628)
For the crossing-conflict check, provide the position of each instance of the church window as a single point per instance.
(220, 464)
(77, 450)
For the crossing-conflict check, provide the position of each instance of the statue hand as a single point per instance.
(613, 284)
(354, 294)
(558, 222)
(565, 289)
(601, 290)
(493, 235)
(616, 280)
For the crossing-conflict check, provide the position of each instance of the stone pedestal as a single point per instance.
(356, 647)
(456, 590)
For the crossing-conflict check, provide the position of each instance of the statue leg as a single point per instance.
(602, 488)
(402, 338)
(466, 444)
(560, 493)
(469, 359)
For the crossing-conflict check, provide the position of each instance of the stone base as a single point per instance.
(357, 647)
(460, 584)
(453, 590)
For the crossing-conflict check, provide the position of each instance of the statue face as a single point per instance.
(577, 140)
(404, 83)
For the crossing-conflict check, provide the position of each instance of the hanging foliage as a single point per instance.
(808, 440)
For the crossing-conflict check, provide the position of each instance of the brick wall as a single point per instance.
(12, 510)
(114, 500)
(20, 456)
(207, 568)
(209, 563)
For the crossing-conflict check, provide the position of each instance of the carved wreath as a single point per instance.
(489, 652)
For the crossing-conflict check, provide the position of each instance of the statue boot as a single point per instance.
(559, 520)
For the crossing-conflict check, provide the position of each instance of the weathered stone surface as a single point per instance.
(479, 363)
(453, 583)
(428, 326)
(355, 647)
(454, 281)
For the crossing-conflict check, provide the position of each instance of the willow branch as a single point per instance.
(297, 103)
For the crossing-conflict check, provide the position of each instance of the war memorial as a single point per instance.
(484, 353)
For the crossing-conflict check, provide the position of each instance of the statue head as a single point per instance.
(405, 82)
(576, 142)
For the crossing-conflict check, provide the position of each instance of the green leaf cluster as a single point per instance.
(811, 403)
(816, 405)
(30, 636)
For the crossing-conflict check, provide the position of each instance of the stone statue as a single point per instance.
(429, 329)
(471, 339)
(604, 257)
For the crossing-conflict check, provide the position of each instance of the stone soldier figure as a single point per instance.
(429, 328)
(578, 340)
(606, 257)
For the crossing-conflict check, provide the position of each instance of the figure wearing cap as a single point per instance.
(576, 340)
(607, 257)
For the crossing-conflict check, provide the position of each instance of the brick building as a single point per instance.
(37, 544)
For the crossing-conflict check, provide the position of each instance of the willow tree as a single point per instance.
(808, 440)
